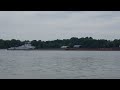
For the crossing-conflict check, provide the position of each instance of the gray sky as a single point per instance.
(51, 25)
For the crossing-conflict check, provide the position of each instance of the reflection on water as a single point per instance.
(59, 64)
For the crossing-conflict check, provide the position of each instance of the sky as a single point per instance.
(51, 25)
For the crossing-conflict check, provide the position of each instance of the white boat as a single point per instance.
(27, 46)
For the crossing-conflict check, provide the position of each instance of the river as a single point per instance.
(50, 64)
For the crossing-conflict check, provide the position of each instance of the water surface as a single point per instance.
(59, 64)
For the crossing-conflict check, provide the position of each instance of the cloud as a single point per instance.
(49, 25)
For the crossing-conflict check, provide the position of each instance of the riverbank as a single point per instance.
(94, 49)
(74, 49)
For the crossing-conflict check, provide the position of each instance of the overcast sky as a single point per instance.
(51, 25)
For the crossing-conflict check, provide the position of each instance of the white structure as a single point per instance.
(77, 46)
(63, 47)
(23, 47)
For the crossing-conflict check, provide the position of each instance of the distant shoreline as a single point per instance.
(71, 49)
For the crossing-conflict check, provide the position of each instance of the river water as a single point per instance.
(59, 64)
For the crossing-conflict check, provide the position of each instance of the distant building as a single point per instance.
(63, 47)
(77, 46)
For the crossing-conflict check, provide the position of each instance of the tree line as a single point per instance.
(86, 42)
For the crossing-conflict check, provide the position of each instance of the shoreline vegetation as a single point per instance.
(86, 43)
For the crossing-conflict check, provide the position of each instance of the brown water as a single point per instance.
(59, 64)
